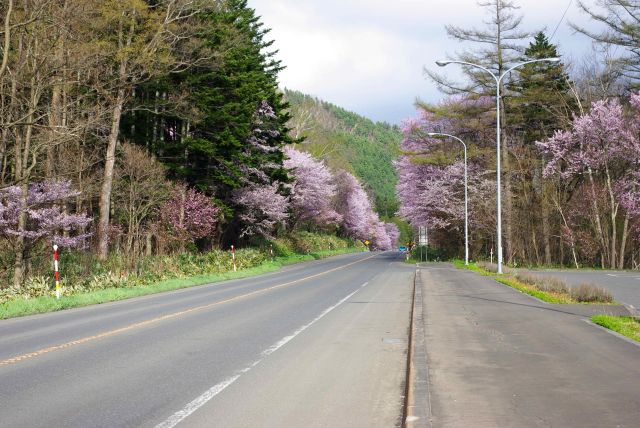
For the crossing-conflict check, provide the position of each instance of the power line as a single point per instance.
(561, 19)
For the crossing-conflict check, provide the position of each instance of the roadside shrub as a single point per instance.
(106, 280)
(282, 247)
(306, 242)
(8, 293)
(36, 286)
(548, 284)
(527, 278)
(489, 267)
(590, 293)
(553, 285)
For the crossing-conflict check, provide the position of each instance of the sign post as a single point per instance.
(55, 268)
(233, 257)
(423, 241)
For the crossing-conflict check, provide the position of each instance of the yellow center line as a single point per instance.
(109, 333)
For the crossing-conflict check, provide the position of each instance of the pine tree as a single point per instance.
(216, 153)
(539, 104)
(540, 101)
(497, 50)
(203, 123)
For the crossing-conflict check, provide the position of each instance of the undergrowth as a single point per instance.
(114, 280)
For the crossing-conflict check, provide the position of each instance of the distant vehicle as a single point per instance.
(403, 249)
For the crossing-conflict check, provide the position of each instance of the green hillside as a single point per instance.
(348, 141)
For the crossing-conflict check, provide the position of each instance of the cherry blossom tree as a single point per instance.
(46, 220)
(313, 190)
(380, 239)
(189, 215)
(262, 208)
(431, 178)
(359, 221)
(353, 203)
(602, 146)
(393, 232)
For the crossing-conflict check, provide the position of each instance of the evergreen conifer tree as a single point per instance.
(540, 101)
(234, 127)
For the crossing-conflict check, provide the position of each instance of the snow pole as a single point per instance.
(233, 257)
(271, 251)
(55, 267)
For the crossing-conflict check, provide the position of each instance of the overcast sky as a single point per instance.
(368, 56)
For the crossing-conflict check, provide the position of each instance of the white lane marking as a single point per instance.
(611, 274)
(216, 389)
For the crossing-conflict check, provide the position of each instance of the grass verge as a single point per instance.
(550, 290)
(626, 326)
(545, 296)
(37, 305)
(473, 267)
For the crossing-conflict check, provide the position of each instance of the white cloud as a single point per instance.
(368, 55)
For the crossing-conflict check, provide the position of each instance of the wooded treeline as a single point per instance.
(570, 146)
(141, 127)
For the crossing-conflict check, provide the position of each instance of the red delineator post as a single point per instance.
(55, 267)
(233, 257)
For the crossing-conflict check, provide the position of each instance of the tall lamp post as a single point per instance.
(498, 80)
(466, 197)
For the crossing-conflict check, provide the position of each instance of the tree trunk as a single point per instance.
(21, 176)
(614, 225)
(534, 241)
(571, 241)
(6, 38)
(107, 178)
(623, 241)
(596, 213)
(149, 244)
(20, 247)
(546, 233)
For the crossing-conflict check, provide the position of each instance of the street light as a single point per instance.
(498, 80)
(466, 197)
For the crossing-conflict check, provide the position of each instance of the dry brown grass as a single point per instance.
(591, 293)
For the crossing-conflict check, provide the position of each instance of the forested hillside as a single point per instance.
(348, 141)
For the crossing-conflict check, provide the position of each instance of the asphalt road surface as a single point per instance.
(498, 358)
(623, 285)
(317, 344)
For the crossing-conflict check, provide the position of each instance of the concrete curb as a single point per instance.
(614, 333)
(417, 405)
(632, 310)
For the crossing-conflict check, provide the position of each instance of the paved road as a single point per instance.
(497, 358)
(318, 344)
(625, 286)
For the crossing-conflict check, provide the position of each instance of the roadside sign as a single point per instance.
(366, 243)
(403, 249)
